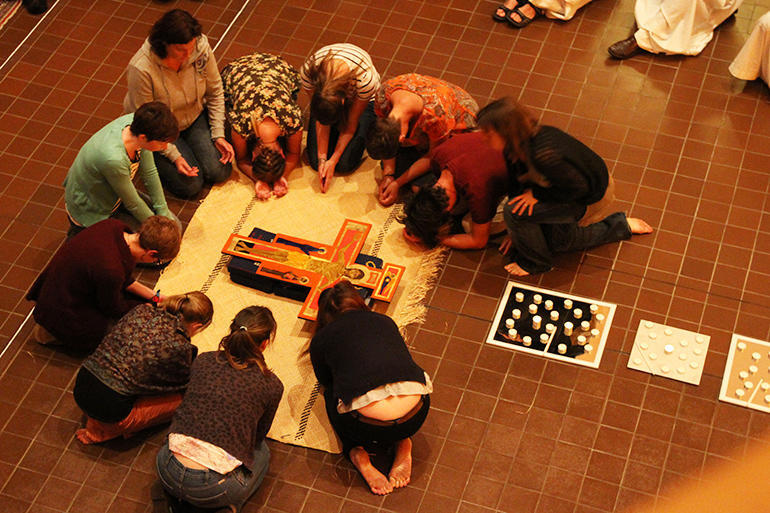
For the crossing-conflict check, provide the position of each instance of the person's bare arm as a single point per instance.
(242, 158)
(389, 193)
(141, 290)
(477, 239)
(293, 149)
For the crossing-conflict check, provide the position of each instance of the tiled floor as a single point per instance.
(687, 145)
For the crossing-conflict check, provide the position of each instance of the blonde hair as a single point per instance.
(332, 96)
(249, 329)
(193, 306)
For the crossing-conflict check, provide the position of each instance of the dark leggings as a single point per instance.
(354, 151)
(354, 433)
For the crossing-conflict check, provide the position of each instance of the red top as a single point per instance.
(480, 174)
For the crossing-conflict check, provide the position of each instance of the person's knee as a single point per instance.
(186, 189)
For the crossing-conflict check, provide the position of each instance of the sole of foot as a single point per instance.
(378, 483)
(638, 226)
(401, 471)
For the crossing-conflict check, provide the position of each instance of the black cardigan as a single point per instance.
(360, 351)
(573, 172)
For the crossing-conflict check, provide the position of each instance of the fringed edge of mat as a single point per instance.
(413, 309)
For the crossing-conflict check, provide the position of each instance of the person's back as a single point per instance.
(81, 289)
(227, 407)
(479, 173)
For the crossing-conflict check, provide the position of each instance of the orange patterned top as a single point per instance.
(446, 108)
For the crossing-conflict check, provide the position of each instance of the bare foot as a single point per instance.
(527, 11)
(638, 225)
(510, 4)
(262, 190)
(84, 437)
(378, 484)
(515, 269)
(401, 471)
(281, 187)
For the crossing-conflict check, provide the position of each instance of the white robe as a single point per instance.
(560, 9)
(753, 60)
(679, 26)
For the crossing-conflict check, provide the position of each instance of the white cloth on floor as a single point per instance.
(753, 61)
(560, 9)
(680, 26)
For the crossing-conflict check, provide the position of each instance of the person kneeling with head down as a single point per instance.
(562, 191)
(376, 395)
(216, 455)
(135, 377)
(471, 178)
(83, 290)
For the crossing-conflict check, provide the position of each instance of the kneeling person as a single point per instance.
(376, 395)
(472, 177)
(216, 455)
(100, 179)
(83, 291)
(135, 377)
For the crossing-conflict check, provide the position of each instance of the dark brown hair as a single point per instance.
(336, 300)
(161, 234)
(332, 97)
(382, 138)
(250, 328)
(156, 122)
(194, 306)
(426, 215)
(513, 122)
(176, 27)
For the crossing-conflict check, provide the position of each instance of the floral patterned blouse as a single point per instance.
(260, 86)
(446, 107)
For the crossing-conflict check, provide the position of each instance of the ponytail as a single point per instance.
(250, 328)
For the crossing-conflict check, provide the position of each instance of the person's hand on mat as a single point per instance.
(388, 193)
(262, 190)
(524, 202)
(184, 168)
(505, 245)
(326, 173)
(225, 149)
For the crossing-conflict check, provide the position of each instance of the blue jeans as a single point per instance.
(354, 151)
(197, 148)
(553, 228)
(209, 489)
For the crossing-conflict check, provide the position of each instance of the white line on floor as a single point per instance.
(27, 37)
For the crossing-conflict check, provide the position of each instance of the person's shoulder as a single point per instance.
(142, 58)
